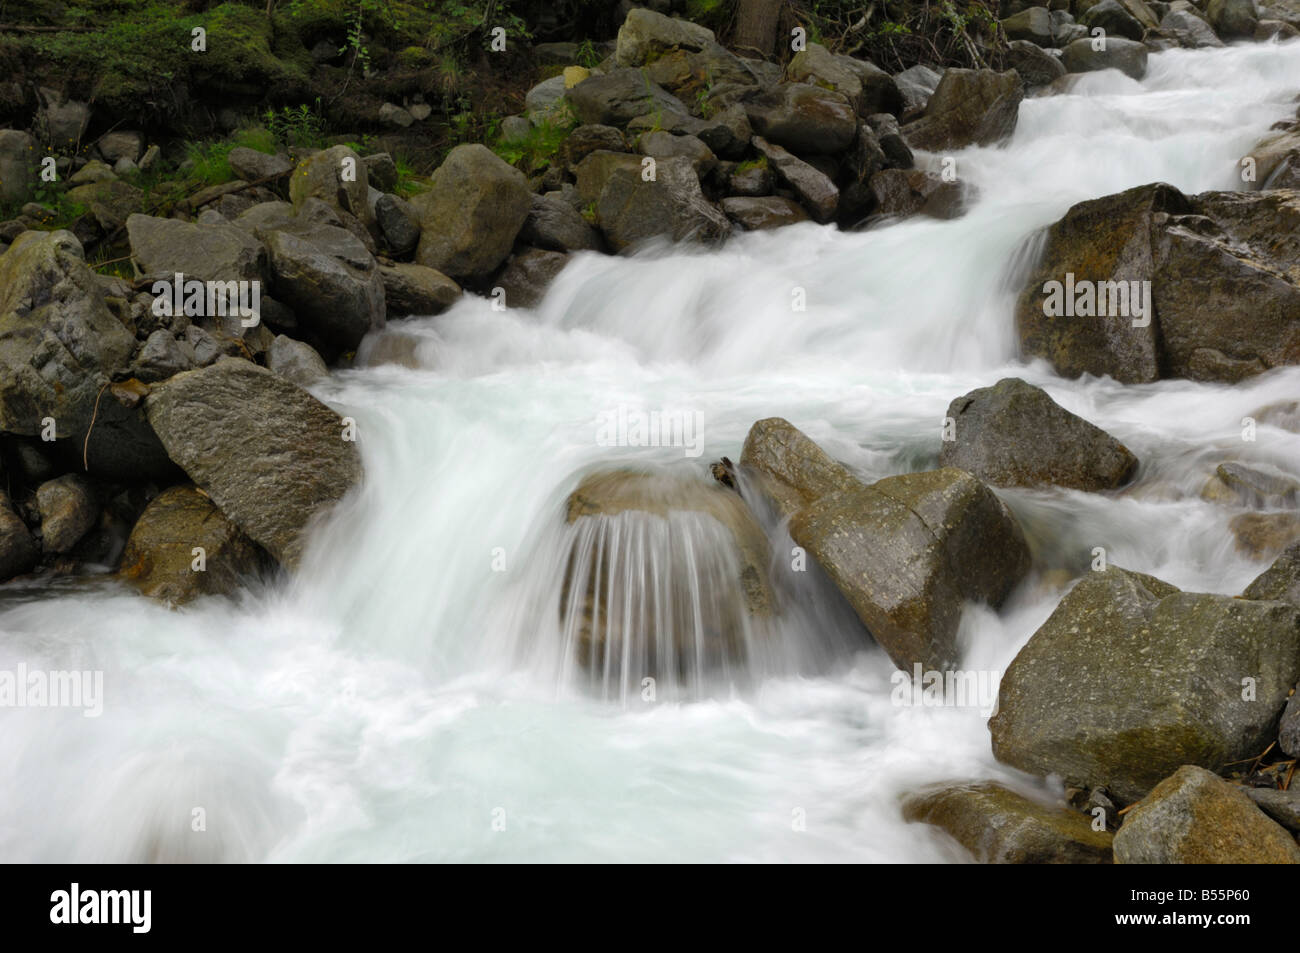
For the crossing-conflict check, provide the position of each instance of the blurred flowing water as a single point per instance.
(410, 692)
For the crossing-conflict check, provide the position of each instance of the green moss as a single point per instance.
(534, 152)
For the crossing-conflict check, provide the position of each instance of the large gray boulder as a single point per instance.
(273, 458)
(254, 166)
(1033, 24)
(1127, 56)
(1224, 293)
(296, 361)
(619, 96)
(806, 119)
(999, 826)
(1014, 434)
(1195, 817)
(471, 214)
(60, 347)
(630, 210)
(909, 551)
(1131, 678)
(160, 558)
(399, 223)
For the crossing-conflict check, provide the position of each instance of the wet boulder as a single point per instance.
(792, 470)
(1151, 283)
(1130, 678)
(1014, 434)
(668, 613)
(1233, 19)
(909, 551)
(1195, 817)
(555, 224)
(183, 547)
(999, 826)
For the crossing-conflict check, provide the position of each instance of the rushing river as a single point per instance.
(404, 698)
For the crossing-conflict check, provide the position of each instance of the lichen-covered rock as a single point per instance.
(1195, 817)
(1130, 678)
(619, 96)
(269, 455)
(999, 826)
(163, 247)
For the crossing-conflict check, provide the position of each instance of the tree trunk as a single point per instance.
(756, 23)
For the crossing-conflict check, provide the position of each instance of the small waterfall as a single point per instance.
(666, 597)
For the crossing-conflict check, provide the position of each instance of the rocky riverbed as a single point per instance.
(225, 404)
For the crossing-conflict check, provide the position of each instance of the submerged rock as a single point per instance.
(1195, 817)
(1130, 678)
(999, 826)
(664, 574)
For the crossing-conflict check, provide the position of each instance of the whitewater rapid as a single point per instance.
(398, 700)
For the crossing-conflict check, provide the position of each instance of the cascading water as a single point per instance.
(418, 679)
